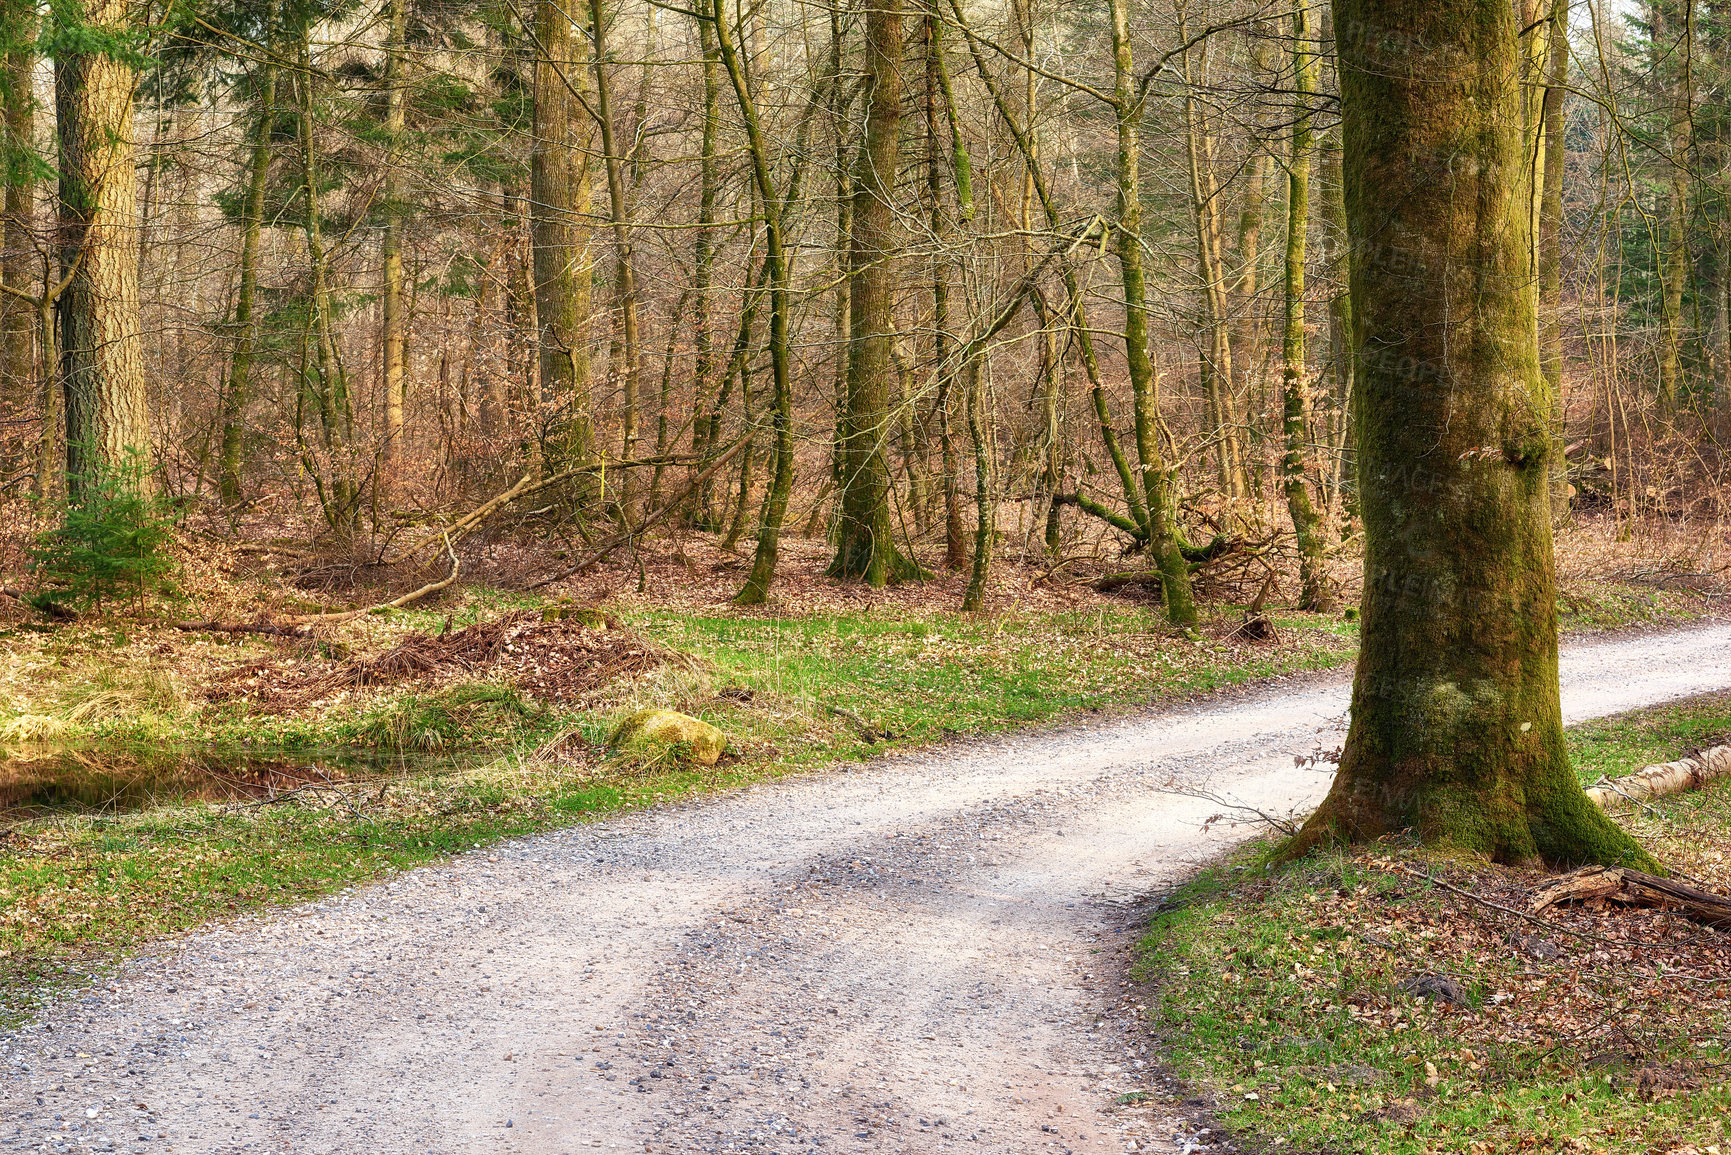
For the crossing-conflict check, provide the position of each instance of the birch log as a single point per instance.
(1689, 773)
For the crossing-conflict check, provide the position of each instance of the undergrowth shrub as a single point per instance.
(110, 541)
(474, 714)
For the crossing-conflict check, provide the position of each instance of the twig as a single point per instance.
(1283, 825)
(630, 534)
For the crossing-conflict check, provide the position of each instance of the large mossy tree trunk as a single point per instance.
(102, 357)
(1456, 729)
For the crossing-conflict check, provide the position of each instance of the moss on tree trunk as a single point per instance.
(1456, 729)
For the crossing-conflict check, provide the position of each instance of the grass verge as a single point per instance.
(1354, 1004)
(792, 692)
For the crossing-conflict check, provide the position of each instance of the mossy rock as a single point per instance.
(669, 732)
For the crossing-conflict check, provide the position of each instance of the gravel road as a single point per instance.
(926, 954)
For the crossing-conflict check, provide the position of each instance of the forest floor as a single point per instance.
(1394, 1001)
(158, 777)
(922, 954)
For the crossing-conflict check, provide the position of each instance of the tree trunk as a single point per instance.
(1294, 378)
(102, 358)
(1144, 388)
(246, 325)
(1210, 268)
(18, 375)
(704, 430)
(625, 266)
(774, 512)
(1456, 730)
(937, 86)
(558, 190)
(867, 551)
(1670, 46)
(393, 334)
(985, 504)
(1341, 475)
(336, 420)
(1550, 248)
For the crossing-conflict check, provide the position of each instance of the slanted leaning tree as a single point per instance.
(1456, 729)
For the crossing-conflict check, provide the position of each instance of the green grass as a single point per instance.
(76, 891)
(1278, 993)
(87, 891)
(1625, 743)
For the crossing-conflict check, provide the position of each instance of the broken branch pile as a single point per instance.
(563, 660)
(1595, 886)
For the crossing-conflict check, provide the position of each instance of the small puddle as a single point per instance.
(99, 780)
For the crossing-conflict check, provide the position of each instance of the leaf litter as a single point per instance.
(570, 661)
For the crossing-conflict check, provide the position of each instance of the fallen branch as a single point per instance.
(866, 730)
(1287, 826)
(52, 609)
(407, 599)
(1632, 888)
(1117, 581)
(262, 626)
(299, 625)
(1689, 773)
(672, 503)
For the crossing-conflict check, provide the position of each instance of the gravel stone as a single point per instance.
(925, 954)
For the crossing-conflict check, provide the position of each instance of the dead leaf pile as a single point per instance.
(563, 661)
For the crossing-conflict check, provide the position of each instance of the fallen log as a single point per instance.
(263, 627)
(51, 608)
(1117, 581)
(1616, 884)
(298, 625)
(1690, 773)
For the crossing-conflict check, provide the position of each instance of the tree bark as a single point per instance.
(1550, 247)
(558, 190)
(1294, 377)
(102, 357)
(18, 375)
(246, 325)
(393, 334)
(867, 550)
(1456, 730)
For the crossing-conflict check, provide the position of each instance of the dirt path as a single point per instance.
(923, 955)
